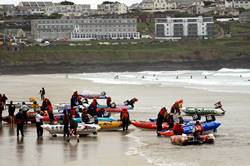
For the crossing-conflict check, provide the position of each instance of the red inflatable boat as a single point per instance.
(148, 125)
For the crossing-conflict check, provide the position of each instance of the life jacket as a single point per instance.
(50, 109)
(125, 115)
(199, 128)
(73, 112)
(177, 129)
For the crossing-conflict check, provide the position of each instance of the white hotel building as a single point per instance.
(178, 28)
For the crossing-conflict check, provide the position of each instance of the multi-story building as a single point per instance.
(155, 5)
(237, 4)
(164, 4)
(112, 8)
(177, 28)
(7, 10)
(244, 17)
(33, 7)
(85, 29)
(69, 10)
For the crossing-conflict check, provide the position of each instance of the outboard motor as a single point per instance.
(210, 118)
(196, 117)
(103, 93)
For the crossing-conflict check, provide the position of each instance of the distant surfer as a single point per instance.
(191, 77)
(177, 77)
(205, 77)
(116, 77)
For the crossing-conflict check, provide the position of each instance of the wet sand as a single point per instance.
(137, 147)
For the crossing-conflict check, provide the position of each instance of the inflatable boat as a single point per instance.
(101, 95)
(148, 125)
(82, 129)
(202, 111)
(188, 129)
(113, 125)
(112, 110)
(190, 140)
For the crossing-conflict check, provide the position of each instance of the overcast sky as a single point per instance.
(92, 2)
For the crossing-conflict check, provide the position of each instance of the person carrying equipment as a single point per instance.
(175, 109)
(162, 117)
(124, 116)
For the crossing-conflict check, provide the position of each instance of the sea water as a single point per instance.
(224, 80)
(232, 139)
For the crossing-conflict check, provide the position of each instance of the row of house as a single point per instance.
(119, 28)
(156, 5)
(221, 7)
(28, 8)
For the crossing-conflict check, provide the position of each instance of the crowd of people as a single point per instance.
(89, 114)
(175, 120)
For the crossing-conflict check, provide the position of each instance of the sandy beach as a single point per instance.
(137, 147)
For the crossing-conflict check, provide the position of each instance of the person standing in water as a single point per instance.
(11, 111)
(25, 109)
(124, 116)
(39, 123)
(73, 129)
(66, 124)
(19, 123)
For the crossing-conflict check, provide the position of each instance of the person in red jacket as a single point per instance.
(47, 106)
(198, 130)
(176, 107)
(124, 116)
(92, 107)
(178, 129)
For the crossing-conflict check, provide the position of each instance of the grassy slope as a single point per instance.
(144, 51)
